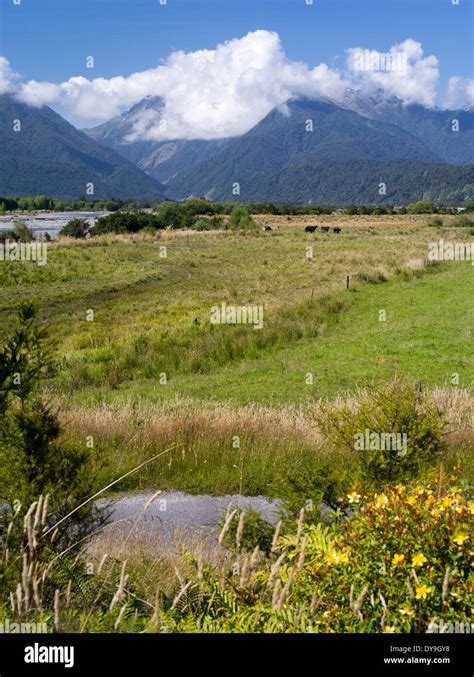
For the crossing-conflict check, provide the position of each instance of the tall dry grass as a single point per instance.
(216, 442)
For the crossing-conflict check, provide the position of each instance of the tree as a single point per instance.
(352, 210)
(172, 215)
(77, 228)
(34, 460)
(421, 207)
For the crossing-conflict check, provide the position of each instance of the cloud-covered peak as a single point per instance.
(403, 72)
(460, 93)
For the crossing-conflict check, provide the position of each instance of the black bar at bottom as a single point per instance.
(213, 654)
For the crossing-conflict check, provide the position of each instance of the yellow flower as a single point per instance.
(446, 502)
(459, 538)
(418, 560)
(422, 591)
(398, 559)
(389, 629)
(354, 497)
(406, 611)
(380, 501)
(411, 500)
(338, 557)
(470, 507)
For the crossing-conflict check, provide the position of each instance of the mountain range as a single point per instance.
(353, 147)
(315, 151)
(42, 154)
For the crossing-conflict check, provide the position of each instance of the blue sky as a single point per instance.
(49, 40)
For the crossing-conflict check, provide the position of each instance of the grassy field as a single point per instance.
(151, 317)
(145, 380)
(151, 314)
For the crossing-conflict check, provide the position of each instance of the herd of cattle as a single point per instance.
(325, 229)
(312, 229)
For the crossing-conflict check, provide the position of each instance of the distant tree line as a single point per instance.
(45, 203)
(202, 207)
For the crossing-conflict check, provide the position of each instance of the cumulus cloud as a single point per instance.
(8, 77)
(403, 71)
(227, 90)
(460, 92)
(207, 93)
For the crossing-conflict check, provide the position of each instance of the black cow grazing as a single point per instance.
(267, 228)
(310, 229)
(325, 229)
(337, 230)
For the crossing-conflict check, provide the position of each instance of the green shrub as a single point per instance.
(20, 233)
(395, 409)
(240, 219)
(421, 207)
(125, 222)
(399, 563)
(174, 216)
(212, 223)
(76, 228)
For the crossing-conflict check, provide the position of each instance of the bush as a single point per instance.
(421, 207)
(463, 221)
(124, 222)
(199, 207)
(20, 233)
(213, 223)
(77, 228)
(396, 416)
(436, 222)
(174, 216)
(399, 563)
(241, 219)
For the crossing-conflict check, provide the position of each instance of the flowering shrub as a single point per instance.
(401, 562)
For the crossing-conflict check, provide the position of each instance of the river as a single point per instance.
(48, 222)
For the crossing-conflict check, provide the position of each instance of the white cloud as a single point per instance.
(460, 92)
(403, 71)
(7, 76)
(227, 90)
(207, 93)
